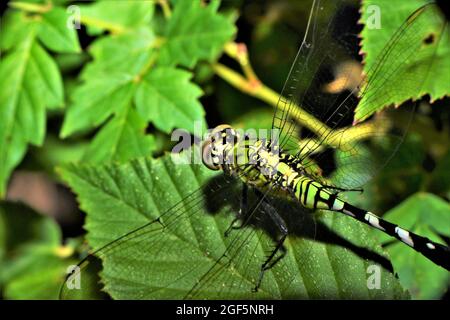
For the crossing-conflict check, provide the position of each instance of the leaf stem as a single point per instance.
(251, 85)
(165, 8)
(93, 22)
(239, 52)
(64, 251)
(255, 88)
(150, 62)
(31, 7)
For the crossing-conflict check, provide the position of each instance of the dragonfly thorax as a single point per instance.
(275, 165)
(256, 161)
(218, 149)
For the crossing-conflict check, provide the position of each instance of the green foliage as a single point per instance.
(32, 263)
(420, 212)
(107, 106)
(27, 88)
(54, 33)
(114, 94)
(427, 215)
(157, 102)
(194, 32)
(415, 67)
(130, 72)
(124, 15)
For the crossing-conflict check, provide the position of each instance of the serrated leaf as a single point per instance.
(26, 89)
(417, 63)
(55, 33)
(109, 80)
(15, 28)
(121, 65)
(119, 198)
(18, 36)
(117, 17)
(122, 138)
(125, 53)
(167, 98)
(427, 215)
(96, 100)
(194, 32)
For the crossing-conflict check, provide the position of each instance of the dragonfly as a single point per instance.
(261, 178)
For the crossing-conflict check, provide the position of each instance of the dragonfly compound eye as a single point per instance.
(209, 158)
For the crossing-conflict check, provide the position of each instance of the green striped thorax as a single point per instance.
(257, 161)
(253, 159)
(261, 163)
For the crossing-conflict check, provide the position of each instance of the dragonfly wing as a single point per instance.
(325, 89)
(236, 273)
(184, 253)
(176, 248)
(361, 149)
(287, 112)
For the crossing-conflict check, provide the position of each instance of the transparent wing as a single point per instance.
(287, 112)
(173, 258)
(258, 238)
(185, 253)
(327, 86)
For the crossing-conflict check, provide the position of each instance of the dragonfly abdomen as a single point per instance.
(436, 252)
(314, 195)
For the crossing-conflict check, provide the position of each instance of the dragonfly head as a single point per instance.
(218, 142)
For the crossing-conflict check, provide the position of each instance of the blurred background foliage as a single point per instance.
(83, 96)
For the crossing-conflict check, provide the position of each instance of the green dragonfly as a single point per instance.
(264, 177)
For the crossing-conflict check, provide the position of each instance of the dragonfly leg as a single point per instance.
(243, 210)
(271, 260)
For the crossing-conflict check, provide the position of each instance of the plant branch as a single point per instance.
(93, 22)
(165, 8)
(251, 85)
(239, 52)
(31, 7)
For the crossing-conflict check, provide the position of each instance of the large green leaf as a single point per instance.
(96, 100)
(119, 198)
(427, 215)
(125, 53)
(118, 17)
(15, 28)
(168, 99)
(121, 77)
(126, 72)
(122, 138)
(194, 32)
(55, 34)
(29, 82)
(109, 80)
(417, 63)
